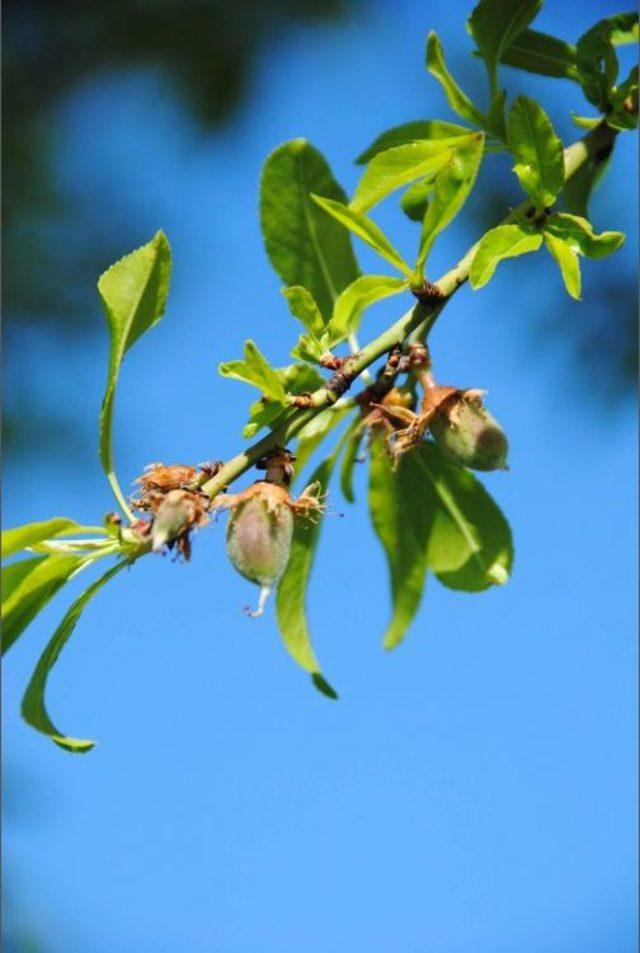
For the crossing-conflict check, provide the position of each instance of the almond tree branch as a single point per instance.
(415, 323)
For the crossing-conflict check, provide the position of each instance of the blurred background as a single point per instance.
(475, 791)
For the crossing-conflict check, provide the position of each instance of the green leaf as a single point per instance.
(542, 54)
(402, 514)
(393, 168)
(415, 201)
(495, 115)
(365, 229)
(457, 99)
(504, 241)
(292, 588)
(313, 434)
(27, 587)
(308, 348)
(495, 24)
(624, 103)
(33, 708)
(596, 57)
(451, 188)
(470, 547)
(581, 185)
(537, 150)
(14, 540)
(359, 295)
(303, 307)
(579, 234)
(256, 370)
(567, 261)
(349, 459)
(411, 132)
(134, 294)
(304, 246)
(296, 379)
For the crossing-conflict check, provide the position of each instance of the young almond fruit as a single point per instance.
(467, 433)
(260, 528)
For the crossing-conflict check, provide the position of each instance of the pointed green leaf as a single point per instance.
(415, 201)
(33, 708)
(578, 233)
(304, 246)
(470, 547)
(134, 294)
(411, 132)
(349, 459)
(504, 241)
(356, 298)
(543, 54)
(308, 348)
(255, 369)
(27, 587)
(303, 307)
(596, 57)
(451, 188)
(393, 168)
(567, 261)
(291, 595)
(457, 99)
(537, 150)
(402, 512)
(14, 540)
(366, 229)
(495, 24)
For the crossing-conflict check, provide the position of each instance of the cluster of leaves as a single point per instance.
(429, 512)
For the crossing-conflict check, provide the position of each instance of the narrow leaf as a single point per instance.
(27, 587)
(537, 150)
(505, 241)
(33, 708)
(596, 57)
(411, 132)
(14, 540)
(567, 261)
(495, 24)
(304, 246)
(356, 298)
(451, 188)
(457, 99)
(393, 168)
(256, 370)
(578, 233)
(349, 460)
(366, 229)
(402, 512)
(542, 54)
(415, 201)
(292, 588)
(311, 436)
(134, 294)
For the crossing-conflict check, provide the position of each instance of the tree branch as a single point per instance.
(415, 324)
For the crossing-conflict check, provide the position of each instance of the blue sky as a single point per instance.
(473, 792)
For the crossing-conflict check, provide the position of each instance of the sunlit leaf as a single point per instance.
(14, 540)
(537, 150)
(27, 587)
(395, 167)
(411, 132)
(303, 307)
(305, 246)
(366, 229)
(33, 708)
(451, 188)
(567, 261)
(255, 369)
(356, 298)
(578, 233)
(134, 294)
(495, 24)
(291, 595)
(457, 99)
(504, 241)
